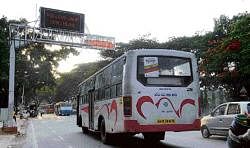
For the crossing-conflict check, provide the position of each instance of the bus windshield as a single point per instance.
(164, 71)
(65, 105)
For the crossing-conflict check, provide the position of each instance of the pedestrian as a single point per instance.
(239, 132)
(14, 116)
(41, 112)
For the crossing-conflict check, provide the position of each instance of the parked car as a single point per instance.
(220, 119)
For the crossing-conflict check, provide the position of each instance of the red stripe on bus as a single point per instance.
(134, 126)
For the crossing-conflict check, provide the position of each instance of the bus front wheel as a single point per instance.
(105, 137)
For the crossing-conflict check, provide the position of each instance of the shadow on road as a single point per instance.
(223, 138)
(140, 143)
(133, 142)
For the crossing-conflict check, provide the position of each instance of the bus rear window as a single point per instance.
(164, 71)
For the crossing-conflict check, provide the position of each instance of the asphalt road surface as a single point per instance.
(51, 131)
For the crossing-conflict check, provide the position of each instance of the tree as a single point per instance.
(36, 69)
(228, 57)
(4, 51)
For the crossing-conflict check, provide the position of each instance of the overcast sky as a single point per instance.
(128, 19)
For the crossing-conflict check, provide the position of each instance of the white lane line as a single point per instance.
(60, 137)
(70, 146)
(35, 145)
(53, 131)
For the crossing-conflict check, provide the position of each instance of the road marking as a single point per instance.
(70, 146)
(60, 137)
(35, 145)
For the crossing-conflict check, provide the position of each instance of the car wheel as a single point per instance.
(205, 132)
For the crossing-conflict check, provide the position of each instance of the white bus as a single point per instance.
(146, 91)
(63, 108)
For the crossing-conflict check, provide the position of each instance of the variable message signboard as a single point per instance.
(58, 19)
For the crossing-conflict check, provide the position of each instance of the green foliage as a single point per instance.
(228, 58)
(4, 50)
(36, 69)
(68, 82)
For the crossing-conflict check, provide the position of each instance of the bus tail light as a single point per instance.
(127, 106)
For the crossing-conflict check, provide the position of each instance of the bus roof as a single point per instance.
(170, 52)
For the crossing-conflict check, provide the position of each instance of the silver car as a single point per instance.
(220, 119)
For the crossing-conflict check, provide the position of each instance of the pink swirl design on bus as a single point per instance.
(113, 107)
(85, 109)
(178, 111)
(103, 106)
(142, 100)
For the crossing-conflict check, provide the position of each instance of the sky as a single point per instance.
(129, 19)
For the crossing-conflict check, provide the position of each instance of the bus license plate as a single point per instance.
(166, 121)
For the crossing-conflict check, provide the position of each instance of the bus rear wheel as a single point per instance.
(105, 137)
(85, 130)
(154, 137)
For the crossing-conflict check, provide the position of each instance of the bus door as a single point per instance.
(77, 110)
(91, 109)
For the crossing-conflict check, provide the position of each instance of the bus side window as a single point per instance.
(107, 76)
(107, 93)
(117, 70)
(119, 89)
(101, 94)
(113, 91)
(85, 98)
(81, 100)
(96, 95)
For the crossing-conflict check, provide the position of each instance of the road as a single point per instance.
(51, 131)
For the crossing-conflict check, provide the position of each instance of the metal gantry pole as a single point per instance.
(10, 122)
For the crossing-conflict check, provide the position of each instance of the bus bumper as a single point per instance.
(134, 126)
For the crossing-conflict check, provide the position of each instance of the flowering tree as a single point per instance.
(227, 59)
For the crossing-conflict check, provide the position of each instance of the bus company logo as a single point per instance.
(148, 99)
(165, 104)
